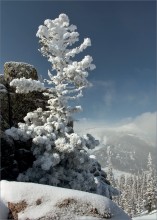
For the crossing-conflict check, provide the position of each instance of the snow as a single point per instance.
(24, 85)
(51, 197)
(19, 63)
(151, 216)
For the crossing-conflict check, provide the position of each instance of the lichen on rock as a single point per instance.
(14, 70)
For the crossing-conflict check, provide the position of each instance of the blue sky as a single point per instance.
(123, 35)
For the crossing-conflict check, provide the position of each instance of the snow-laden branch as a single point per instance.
(24, 85)
(55, 37)
(72, 52)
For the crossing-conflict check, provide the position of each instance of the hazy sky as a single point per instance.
(123, 35)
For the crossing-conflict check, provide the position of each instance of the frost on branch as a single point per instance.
(24, 85)
(62, 157)
(55, 37)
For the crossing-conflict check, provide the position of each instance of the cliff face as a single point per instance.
(14, 107)
(15, 155)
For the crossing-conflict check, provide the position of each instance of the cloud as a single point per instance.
(147, 123)
(143, 125)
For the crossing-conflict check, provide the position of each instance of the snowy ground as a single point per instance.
(47, 202)
(151, 216)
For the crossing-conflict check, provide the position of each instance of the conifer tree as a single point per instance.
(110, 175)
(150, 193)
(61, 155)
(143, 187)
(139, 192)
(121, 186)
(138, 196)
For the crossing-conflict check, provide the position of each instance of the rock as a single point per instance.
(14, 70)
(14, 107)
(42, 202)
(21, 104)
(3, 89)
(15, 208)
(6, 157)
(16, 156)
(4, 111)
(4, 103)
(2, 80)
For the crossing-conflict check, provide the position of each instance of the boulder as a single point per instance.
(16, 156)
(7, 157)
(14, 107)
(21, 104)
(2, 80)
(14, 70)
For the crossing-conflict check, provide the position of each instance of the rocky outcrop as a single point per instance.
(4, 105)
(14, 107)
(15, 208)
(29, 201)
(15, 155)
(14, 70)
(7, 157)
(2, 80)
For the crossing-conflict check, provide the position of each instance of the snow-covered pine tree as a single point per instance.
(150, 193)
(61, 155)
(121, 186)
(128, 195)
(134, 196)
(139, 197)
(110, 175)
(143, 188)
(139, 192)
(127, 198)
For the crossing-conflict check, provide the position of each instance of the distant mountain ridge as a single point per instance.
(130, 147)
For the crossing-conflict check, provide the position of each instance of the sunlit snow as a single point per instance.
(51, 196)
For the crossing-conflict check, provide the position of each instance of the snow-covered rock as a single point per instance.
(14, 107)
(37, 201)
(14, 70)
